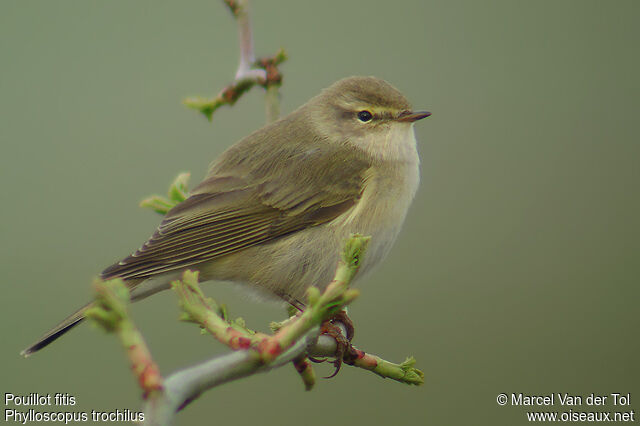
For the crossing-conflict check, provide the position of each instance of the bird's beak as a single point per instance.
(410, 116)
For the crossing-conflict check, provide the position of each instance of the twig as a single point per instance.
(304, 368)
(321, 307)
(272, 84)
(295, 340)
(272, 103)
(258, 351)
(403, 373)
(177, 193)
(184, 386)
(197, 308)
(240, 10)
(250, 72)
(110, 313)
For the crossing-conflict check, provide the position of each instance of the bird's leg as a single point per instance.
(343, 318)
(294, 304)
(337, 327)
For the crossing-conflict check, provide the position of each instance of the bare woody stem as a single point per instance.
(240, 10)
(250, 72)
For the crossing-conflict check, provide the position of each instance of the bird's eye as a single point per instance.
(365, 116)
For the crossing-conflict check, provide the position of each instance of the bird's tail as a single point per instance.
(57, 331)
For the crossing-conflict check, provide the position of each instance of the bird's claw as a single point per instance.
(343, 344)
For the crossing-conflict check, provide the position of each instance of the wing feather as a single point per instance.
(240, 205)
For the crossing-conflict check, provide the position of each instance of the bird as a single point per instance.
(275, 208)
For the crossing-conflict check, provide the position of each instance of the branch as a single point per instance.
(326, 346)
(199, 309)
(258, 352)
(241, 338)
(305, 370)
(109, 312)
(403, 373)
(240, 10)
(186, 385)
(321, 307)
(177, 193)
(294, 341)
(263, 72)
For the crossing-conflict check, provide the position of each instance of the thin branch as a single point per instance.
(242, 337)
(177, 193)
(184, 386)
(294, 341)
(110, 313)
(259, 352)
(272, 103)
(403, 373)
(305, 370)
(240, 10)
(250, 72)
(320, 307)
(200, 309)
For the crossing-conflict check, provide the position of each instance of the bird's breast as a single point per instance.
(381, 210)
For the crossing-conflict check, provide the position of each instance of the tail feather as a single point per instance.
(60, 329)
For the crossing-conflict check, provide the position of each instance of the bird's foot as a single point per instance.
(337, 327)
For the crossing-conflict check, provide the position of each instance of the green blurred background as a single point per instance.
(517, 269)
